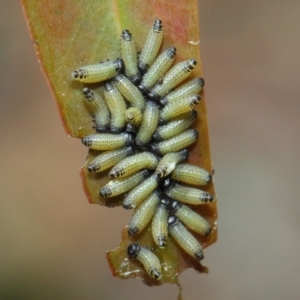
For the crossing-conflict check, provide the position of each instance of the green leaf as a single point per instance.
(68, 34)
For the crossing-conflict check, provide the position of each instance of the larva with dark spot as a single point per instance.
(117, 107)
(184, 238)
(134, 118)
(148, 259)
(98, 72)
(156, 71)
(134, 163)
(130, 92)
(148, 125)
(159, 227)
(192, 87)
(176, 143)
(140, 192)
(175, 126)
(169, 161)
(151, 46)
(143, 214)
(173, 77)
(107, 141)
(190, 218)
(108, 159)
(98, 109)
(129, 56)
(178, 107)
(186, 194)
(191, 174)
(119, 186)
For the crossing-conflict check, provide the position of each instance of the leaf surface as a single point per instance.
(68, 34)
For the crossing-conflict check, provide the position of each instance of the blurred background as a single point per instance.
(53, 243)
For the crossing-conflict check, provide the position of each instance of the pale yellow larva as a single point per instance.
(191, 174)
(140, 192)
(119, 186)
(107, 141)
(98, 72)
(186, 194)
(147, 258)
(143, 213)
(190, 218)
(134, 163)
(159, 226)
(172, 78)
(169, 161)
(184, 238)
(151, 46)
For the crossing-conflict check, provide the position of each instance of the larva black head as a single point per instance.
(194, 114)
(153, 96)
(174, 206)
(140, 145)
(157, 25)
(86, 141)
(168, 184)
(196, 133)
(101, 128)
(164, 101)
(105, 192)
(119, 65)
(165, 203)
(119, 78)
(156, 137)
(143, 67)
(161, 122)
(195, 99)
(88, 93)
(199, 255)
(126, 35)
(172, 221)
(209, 179)
(143, 89)
(135, 79)
(201, 82)
(155, 149)
(146, 173)
(92, 168)
(184, 154)
(115, 130)
(108, 87)
(133, 250)
(130, 128)
(129, 140)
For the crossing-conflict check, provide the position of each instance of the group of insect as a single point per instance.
(142, 123)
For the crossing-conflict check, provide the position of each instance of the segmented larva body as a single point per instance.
(184, 238)
(190, 218)
(175, 126)
(185, 194)
(191, 174)
(192, 87)
(134, 163)
(147, 258)
(151, 46)
(159, 227)
(176, 143)
(134, 119)
(143, 214)
(172, 78)
(148, 125)
(169, 161)
(130, 92)
(98, 109)
(122, 185)
(160, 66)
(140, 192)
(178, 107)
(129, 56)
(107, 141)
(117, 107)
(108, 159)
(98, 72)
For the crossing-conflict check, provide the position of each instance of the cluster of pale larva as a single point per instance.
(142, 125)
